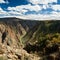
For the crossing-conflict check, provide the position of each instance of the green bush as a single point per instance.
(1, 58)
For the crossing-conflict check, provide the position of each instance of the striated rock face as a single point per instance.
(11, 32)
(9, 53)
(8, 35)
(29, 40)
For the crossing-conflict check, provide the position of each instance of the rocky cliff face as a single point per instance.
(29, 40)
(13, 29)
(11, 32)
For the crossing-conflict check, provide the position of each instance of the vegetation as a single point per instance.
(45, 35)
(29, 39)
(1, 58)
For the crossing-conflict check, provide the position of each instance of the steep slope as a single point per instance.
(29, 40)
(42, 29)
(44, 38)
(15, 28)
(11, 32)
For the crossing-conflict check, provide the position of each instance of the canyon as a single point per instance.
(29, 39)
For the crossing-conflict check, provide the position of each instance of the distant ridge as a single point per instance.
(15, 19)
(18, 19)
(10, 18)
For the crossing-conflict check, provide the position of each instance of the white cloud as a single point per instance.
(55, 7)
(42, 1)
(2, 11)
(25, 8)
(45, 6)
(37, 16)
(16, 9)
(53, 16)
(19, 11)
(2, 1)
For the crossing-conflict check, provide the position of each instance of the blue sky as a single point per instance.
(30, 9)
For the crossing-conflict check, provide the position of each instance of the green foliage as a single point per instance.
(1, 58)
(44, 33)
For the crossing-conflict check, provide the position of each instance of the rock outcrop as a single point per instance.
(29, 40)
(11, 32)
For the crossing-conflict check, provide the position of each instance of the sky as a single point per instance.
(30, 9)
